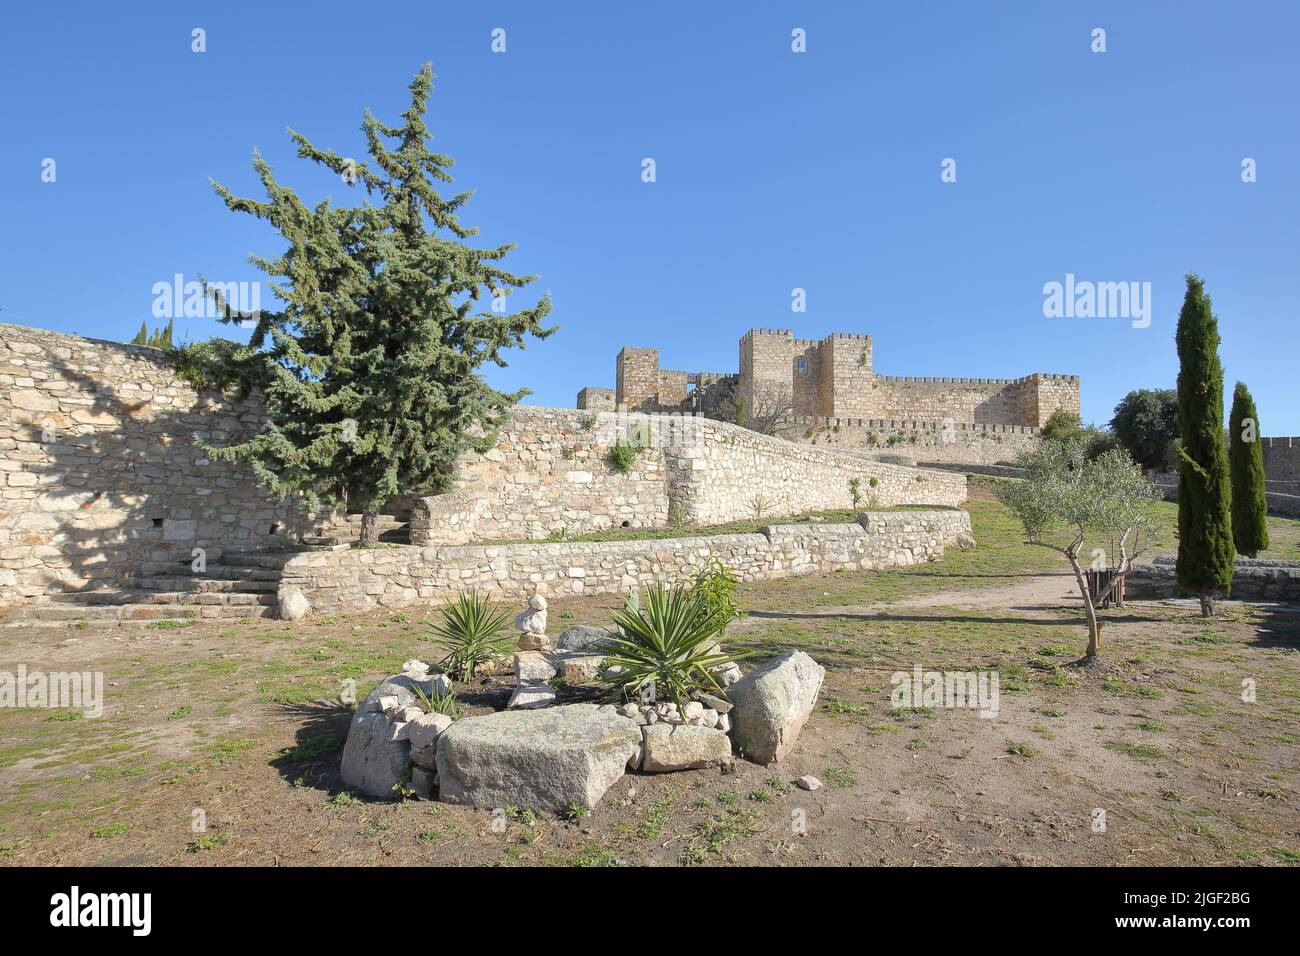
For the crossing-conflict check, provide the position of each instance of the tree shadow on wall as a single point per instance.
(119, 481)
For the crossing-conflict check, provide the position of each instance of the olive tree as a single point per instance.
(1067, 499)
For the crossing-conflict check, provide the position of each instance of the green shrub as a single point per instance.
(469, 633)
(667, 645)
(622, 456)
(717, 586)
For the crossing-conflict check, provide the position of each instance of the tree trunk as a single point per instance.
(1094, 630)
(370, 530)
(1207, 605)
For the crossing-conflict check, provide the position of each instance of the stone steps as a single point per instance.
(61, 615)
(213, 572)
(199, 585)
(242, 585)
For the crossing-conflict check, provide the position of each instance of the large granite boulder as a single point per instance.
(772, 704)
(540, 759)
(377, 755)
(671, 747)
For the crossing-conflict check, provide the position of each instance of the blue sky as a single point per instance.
(775, 170)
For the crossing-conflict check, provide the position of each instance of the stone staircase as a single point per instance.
(344, 531)
(241, 585)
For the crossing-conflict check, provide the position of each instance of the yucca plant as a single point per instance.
(470, 634)
(668, 645)
(438, 702)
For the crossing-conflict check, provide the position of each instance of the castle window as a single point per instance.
(801, 365)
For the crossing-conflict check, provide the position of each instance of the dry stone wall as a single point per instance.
(98, 471)
(399, 576)
(550, 474)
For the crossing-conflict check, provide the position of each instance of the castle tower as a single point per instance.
(637, 379)
(846, 375)
(766, 365)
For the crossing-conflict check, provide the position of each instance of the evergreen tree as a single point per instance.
(370, 370)
(1246, 468)
(1146, 425)
(1205, 557)
(142, 337)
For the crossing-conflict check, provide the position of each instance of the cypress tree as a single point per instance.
(1205, 551)
(1246, 467)
(142, 337)
(370, 370)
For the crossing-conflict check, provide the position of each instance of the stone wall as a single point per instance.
(924, 441)
(351, 580)
(550, 474)
(1281, 459)
(718, 477)
(597, 399)
(1252, 580)
(98, 471)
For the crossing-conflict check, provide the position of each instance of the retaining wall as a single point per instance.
(350, 580)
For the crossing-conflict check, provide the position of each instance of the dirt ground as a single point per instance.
(240, 726)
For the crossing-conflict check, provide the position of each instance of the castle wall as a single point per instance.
(1281, 459)
(835, 378)
(98, 470)
(918, 440)
(597, 399)
(1027, 401)
(549, 474)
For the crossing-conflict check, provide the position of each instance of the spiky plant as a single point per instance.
(438, 701)
(668, 645)
(470, 634)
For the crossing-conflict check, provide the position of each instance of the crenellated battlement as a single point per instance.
(833, 378)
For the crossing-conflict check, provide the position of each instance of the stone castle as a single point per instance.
(833, 378)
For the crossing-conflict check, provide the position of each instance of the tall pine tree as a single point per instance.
(1205, 558)
(1246, 468)
(370, 370)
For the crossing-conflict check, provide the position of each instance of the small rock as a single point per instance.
(423, 731)
(531, 697)
(581, 668)
(533, 667)
(414, 668)
(426, 758)
(293, 604)
(423, 782)
(808, 782)
(709, 718)
(724, 723)
(441, 683)
(721, 705)
(693, 711)
(529, 641)
(583, 637)
(728, 675)
(683, 747)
